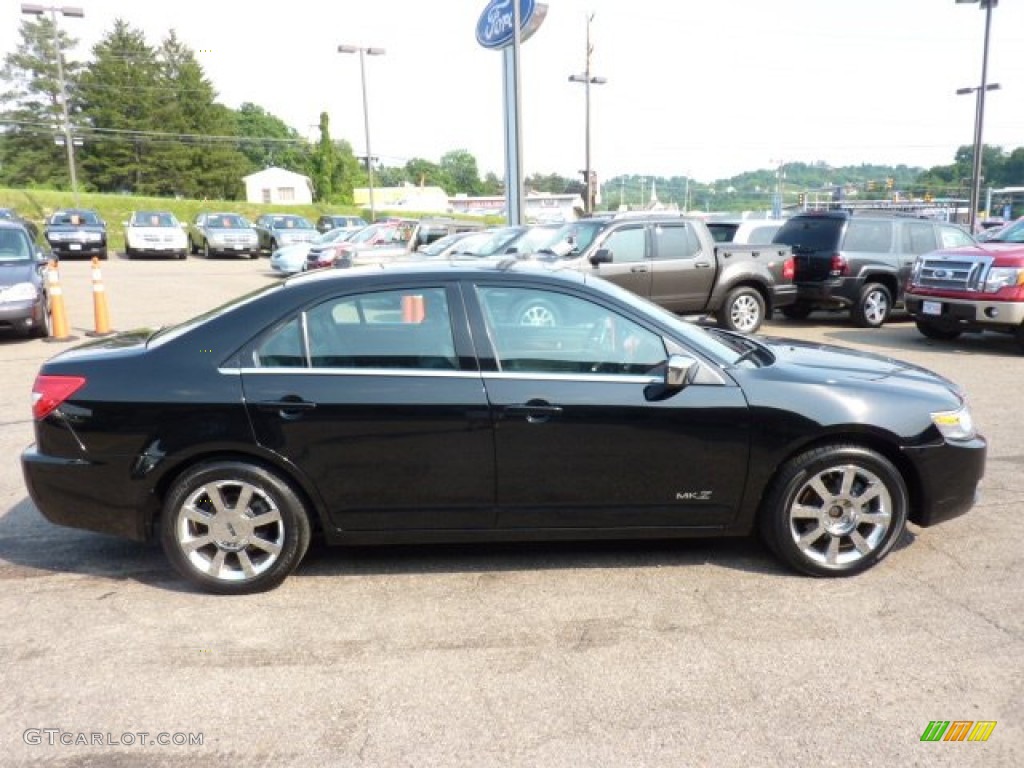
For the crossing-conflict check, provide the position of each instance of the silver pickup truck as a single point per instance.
(675, 262)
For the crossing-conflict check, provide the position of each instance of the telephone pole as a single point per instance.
(588, 79)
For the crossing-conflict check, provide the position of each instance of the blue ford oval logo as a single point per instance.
(495, 29)
(941, 273)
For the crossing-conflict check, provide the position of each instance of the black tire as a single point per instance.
(206, 249)
(743, 310)
(834, 536)
(103, 255)
(230, 563)
(128, 253)
(44, 329)
(182, 255)
(874, 304)
(537, 312)
(192, 247)
(796, 311)
(937, 332)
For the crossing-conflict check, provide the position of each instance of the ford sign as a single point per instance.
(495, 29)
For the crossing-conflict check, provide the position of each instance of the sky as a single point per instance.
(701, 89)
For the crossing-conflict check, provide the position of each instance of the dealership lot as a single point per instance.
(689, 652)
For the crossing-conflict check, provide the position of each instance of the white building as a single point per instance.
(276, 185)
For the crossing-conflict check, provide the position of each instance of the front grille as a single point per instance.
(953, 273)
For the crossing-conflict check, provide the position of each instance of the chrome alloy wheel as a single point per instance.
(538, 315)
(745, 313)
(876, 307)
(230, 530)
(840, 515)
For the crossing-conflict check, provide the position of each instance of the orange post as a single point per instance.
(59, 330)
(101, 314)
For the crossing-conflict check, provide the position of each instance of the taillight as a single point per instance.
(788, 269)
(49, 392)
(838, 267)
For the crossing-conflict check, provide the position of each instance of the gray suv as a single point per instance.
(859, 261)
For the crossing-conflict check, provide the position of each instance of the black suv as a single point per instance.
(76, 232)
(859, 261)
(327, 222)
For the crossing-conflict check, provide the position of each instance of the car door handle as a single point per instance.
(290, 407)
(535, 413)
(702, 265)
(638, 268)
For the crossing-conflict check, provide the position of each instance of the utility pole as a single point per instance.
(589, 177)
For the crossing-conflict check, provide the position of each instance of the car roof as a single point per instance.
(474, 267)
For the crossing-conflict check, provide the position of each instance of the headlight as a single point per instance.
(217, 240)
(19, 292)
(93, 237)
(1003, 277)
(915, 273)
(955, 425)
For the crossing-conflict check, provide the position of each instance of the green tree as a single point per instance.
(203, 158)
(32, 115)
(323, 162)
(423, 173)
(120, 95)
(346, 173)
(492, 185)
(460, 166)
(269, 141)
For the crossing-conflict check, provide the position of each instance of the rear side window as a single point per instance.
(811, 234)
(868, 236)
(722, 232)
(675, 241)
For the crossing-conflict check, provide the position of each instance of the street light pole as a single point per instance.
(73, 12)
(588, 79)
(979, 113)
(366, 112)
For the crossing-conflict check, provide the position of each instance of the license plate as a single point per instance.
(75, 246)
(238, 247)
(931, 307)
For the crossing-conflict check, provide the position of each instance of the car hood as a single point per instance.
(14, 272)
(831, 365)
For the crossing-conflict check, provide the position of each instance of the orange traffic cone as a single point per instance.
(413, 309)
(59, 330)
(101, 315)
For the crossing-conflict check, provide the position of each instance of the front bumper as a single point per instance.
(968, 314)
(21, 315)
(73, 249)
(950, 476)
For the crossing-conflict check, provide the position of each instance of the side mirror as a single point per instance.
(602, 256)
(680, 370)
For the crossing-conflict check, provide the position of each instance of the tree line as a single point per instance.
(149, 123)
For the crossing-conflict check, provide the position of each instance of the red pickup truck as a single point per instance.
(971, 289)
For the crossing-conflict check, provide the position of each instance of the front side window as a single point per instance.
(540, 331)
(953, 237)
(918, 237)
(627, 245)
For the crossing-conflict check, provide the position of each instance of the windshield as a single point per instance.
(154, 219)
(366, 234)
(226, 221)
(14, 246)
(496, 242)
(74, 219)
(579, 233)
(1012, 233)
(291, 222)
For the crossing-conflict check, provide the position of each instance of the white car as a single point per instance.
(154, 233)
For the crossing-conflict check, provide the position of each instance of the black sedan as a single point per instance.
(408, 404)
(76, 232)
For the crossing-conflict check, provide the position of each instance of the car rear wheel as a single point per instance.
(933, 331)
(742, 311)
(835, 510)
(873, 306)
(232, 527)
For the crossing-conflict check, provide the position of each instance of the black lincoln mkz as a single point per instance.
(415, 403)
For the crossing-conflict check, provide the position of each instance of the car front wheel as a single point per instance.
(232, 527)
(742, 311)
(835, 510)
(933, 331)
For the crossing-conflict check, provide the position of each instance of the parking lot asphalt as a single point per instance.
(614, 654)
